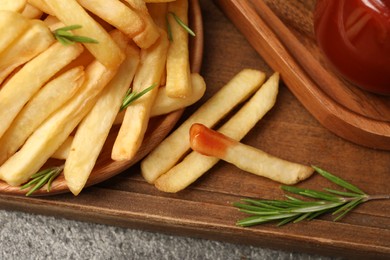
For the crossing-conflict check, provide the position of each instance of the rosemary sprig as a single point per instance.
(339, 203)
(132, 96)
(180, 22)
(41, 178)
(64, 36)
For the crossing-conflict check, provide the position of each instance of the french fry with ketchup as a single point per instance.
(94, 129)
(248, 158)
(176, 145)
(195, 164)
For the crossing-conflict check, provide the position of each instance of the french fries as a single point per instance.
(55, 130)
(195, 164)
(87, 144)
(31, 12)
(60, 90)
(70, 12)
(34, 74)
(178, 83)
(137, 115)
(246, 157)
(174, 147)
(32, 42)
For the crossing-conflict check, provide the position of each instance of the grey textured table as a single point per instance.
(29, 236)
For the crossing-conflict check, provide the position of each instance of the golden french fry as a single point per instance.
(248, 158)
(195, 164)
(70, 12)
(164, 104)
(172, 148)
(34, 74)
(32, 42)
(87, 144)
(137, 115)
(63, 151)
(53, 23)
(150, 34)
(117, 14)
(178, 81)
(32, 12)
(41, 5)
(56, 129)
(49, 98)
(12, 5)
(12, 26)
(158, 1)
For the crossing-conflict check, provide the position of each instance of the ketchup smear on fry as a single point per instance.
(355, 37)
(209, 142)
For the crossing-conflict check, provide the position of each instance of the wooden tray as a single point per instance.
(204, 209)
(158, 127)
(284, 37)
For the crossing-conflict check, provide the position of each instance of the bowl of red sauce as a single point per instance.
(354, 35)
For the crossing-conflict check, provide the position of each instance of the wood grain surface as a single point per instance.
(205, 208)
(285, 39)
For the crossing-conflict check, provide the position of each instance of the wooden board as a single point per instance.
(284, 37)
(204, 209)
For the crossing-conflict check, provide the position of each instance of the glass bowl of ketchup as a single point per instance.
(354, 35)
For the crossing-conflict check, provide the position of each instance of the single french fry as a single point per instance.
(33, 41)
(174, 147)
(87, 144)
(135, 122)
(12, 26)
(63, 151)
(53, 22)
(195, 164)
(150, 34)
(49, 98)
(248, 158)
(41, 5)
(32, 12)
(12, 5)
(34, 74)
(178, 81)
(164, 104)
(56, 129)
(70, 12)
(117, 14)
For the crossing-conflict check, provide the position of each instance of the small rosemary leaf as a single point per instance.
(182, 24)
(255, 220)
(310, 193)
(292, 198)
(315, 208)
(345, 206)
(130, 96)
(63, 33)
(169, 30)
(286, 221)
(40, 173)
(82, 39)
(262, 203)
(302, 217)
(352, 206)
(259, 212)
(343, 193)
(53, 176)
(317, 214)
(32, 182)
(64, 41)
(70, 27)
(338, 180)
(39, 185)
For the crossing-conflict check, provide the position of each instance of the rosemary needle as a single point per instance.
(64, 36)
(180, 22)
(132, 96)
(41, 178)
(293, 210)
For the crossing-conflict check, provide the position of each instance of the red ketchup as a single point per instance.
(355, 37)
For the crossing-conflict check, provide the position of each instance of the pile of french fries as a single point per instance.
(60, 101)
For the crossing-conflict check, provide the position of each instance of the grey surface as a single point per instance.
(28, 236)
